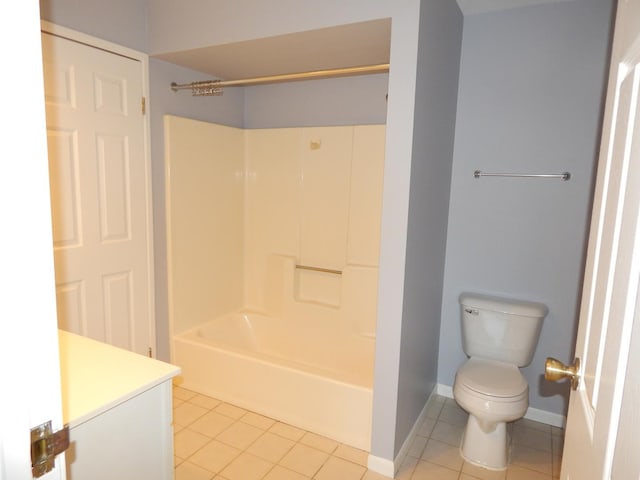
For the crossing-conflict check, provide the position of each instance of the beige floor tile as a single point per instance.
(557, 463)
(240, 435)
(183, 393)
(454, 415)
(527, 423)
(187, 413)
(558, 431)
(205, 402)
(431, 471)
(281, 473)
(533, 459)
(187, 442)
(212, 424)
(304, 460)
(417, 446)
(447, 433)
(352, 454)
(514, 472)
(434, 408)
(318, 441)
(338, 469)
(287, 431)
(374, 476)
(247, 467)
(260, 421)
(533, 438)
(271, 447)
(483, 473)
(442, 454)
(557, 444)
(231, 411)
(406, 468)
(189, 471)
(214, 456)
(427, 427)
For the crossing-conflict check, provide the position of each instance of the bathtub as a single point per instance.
(301, 373)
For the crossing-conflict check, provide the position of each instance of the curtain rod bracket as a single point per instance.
(207, 88)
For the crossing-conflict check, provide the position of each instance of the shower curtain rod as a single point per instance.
(214, 87)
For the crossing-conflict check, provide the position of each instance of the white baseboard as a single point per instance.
(389, 468)
(535, 414)
(381, 465)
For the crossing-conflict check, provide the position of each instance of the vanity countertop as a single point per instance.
(96, 377)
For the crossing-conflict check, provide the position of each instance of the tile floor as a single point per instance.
(219, 441)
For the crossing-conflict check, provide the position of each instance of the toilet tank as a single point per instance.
(500, 329)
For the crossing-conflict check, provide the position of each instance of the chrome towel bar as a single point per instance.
(564, 175)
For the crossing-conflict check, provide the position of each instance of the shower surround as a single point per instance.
(273, 241)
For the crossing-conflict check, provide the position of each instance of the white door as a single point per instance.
(29, 360)
(99, 194)
(601, 439)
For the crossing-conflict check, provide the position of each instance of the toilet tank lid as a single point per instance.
(503, 305)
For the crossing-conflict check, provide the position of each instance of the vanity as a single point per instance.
(118, 406)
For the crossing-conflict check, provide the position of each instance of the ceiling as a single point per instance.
(364, 43)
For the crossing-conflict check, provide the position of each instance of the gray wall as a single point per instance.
(119, 21)
(338, 101)
(433, 140)
(531, 85)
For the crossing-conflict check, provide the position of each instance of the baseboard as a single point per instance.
(381, 465)
(535, 414)
(389, 468)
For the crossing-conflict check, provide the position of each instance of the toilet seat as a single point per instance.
(490, 378)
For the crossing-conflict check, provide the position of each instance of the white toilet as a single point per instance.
(499, 336)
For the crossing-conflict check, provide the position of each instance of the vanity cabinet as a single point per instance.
(118, 406)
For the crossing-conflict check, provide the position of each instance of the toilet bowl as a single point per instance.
(493, 393)
(499, 336)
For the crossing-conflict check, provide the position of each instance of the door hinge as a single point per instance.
(150, 352)
(143, 105)
(45, 446)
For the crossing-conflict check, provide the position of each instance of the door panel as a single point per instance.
(609, 313)
(98, 174)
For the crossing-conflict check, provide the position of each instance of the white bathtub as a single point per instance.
(299, 373)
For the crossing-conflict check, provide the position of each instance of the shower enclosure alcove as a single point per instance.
(273, 245)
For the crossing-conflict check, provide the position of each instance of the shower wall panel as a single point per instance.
(204, 185)
(315, 195)
(246, 206)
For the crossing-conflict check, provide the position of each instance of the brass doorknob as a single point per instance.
(555, 370)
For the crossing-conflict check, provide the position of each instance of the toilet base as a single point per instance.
(485, 449)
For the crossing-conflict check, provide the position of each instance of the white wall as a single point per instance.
(531, 84)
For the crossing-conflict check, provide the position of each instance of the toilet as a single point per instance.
(499, 336)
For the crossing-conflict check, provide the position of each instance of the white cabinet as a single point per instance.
(117, 405)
